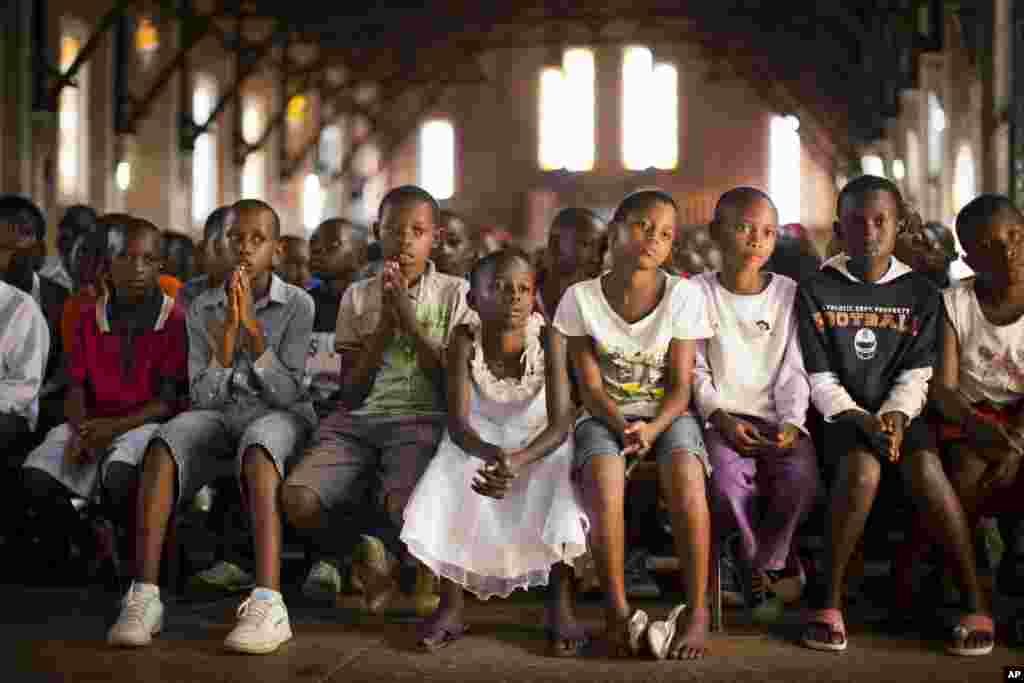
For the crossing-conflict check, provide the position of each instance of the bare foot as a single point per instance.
(566, 637)
(690, 641)
(440, 629)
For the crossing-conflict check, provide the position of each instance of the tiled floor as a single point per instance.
(57, 635)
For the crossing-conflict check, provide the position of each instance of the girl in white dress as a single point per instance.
(496, 508)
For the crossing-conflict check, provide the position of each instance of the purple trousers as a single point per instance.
(765, 497)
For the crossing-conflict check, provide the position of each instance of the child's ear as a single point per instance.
(278, 254)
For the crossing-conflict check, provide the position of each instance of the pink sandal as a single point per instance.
(832, 619)
(970, 625)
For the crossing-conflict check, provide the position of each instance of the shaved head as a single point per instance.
(736, 200)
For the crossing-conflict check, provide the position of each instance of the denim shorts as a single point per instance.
(209, 444)
(593, 438)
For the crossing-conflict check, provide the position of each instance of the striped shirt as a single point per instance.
(24, 347)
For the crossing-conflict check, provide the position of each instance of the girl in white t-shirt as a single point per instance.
(978, 387)
(752, 391)
(632, 339)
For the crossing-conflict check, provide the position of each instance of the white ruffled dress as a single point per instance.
(492, 547)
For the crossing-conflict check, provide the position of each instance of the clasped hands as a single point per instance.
(884, 432)
(501, 467)
(398, 310)
(240, 305)
(748, 440)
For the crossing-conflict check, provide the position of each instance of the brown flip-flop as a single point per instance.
(440, 636)
(580, 640)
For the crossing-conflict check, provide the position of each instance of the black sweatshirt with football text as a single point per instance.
(867, 334)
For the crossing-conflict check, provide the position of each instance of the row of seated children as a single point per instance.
(635, 400)
(653, 388)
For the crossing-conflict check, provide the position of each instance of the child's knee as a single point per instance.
(965, 468)
(861, 471)
(158, 454)
(254, 461)
(302, 507)
(923, 467)
(686, 468)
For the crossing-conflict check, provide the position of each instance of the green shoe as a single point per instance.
(323, 583)
(223, 577)
(373, 568)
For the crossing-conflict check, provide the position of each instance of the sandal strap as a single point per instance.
(975, 623)
(831, 617)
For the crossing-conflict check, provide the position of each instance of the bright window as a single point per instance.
(899, 171)
(551, 154)
(650, 111)
(72, 122)
(330, 149)
(784, 167)
(872, 164)
(437, 158)
(204, 156)
(312, 201)
(936, 135)
(964, 183)
(254, 170)
(567, 113)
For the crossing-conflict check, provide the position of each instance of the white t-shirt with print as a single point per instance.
(323, 368)
(632, 356)
(991, 356)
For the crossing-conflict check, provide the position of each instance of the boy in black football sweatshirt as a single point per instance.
(868, 329)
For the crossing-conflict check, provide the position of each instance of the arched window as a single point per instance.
(437, 158)
(936, 135)
(330, 149)
(73, 117)
(872, 164)
(566, 133)
(312, 201)
(899, 170)
(254, 170)
(784, 167)
(204, 156)
(650, 111)
(964, 181)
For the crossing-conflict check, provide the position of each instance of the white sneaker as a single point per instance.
(141, 618)
(263, 627)
(323, 582)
